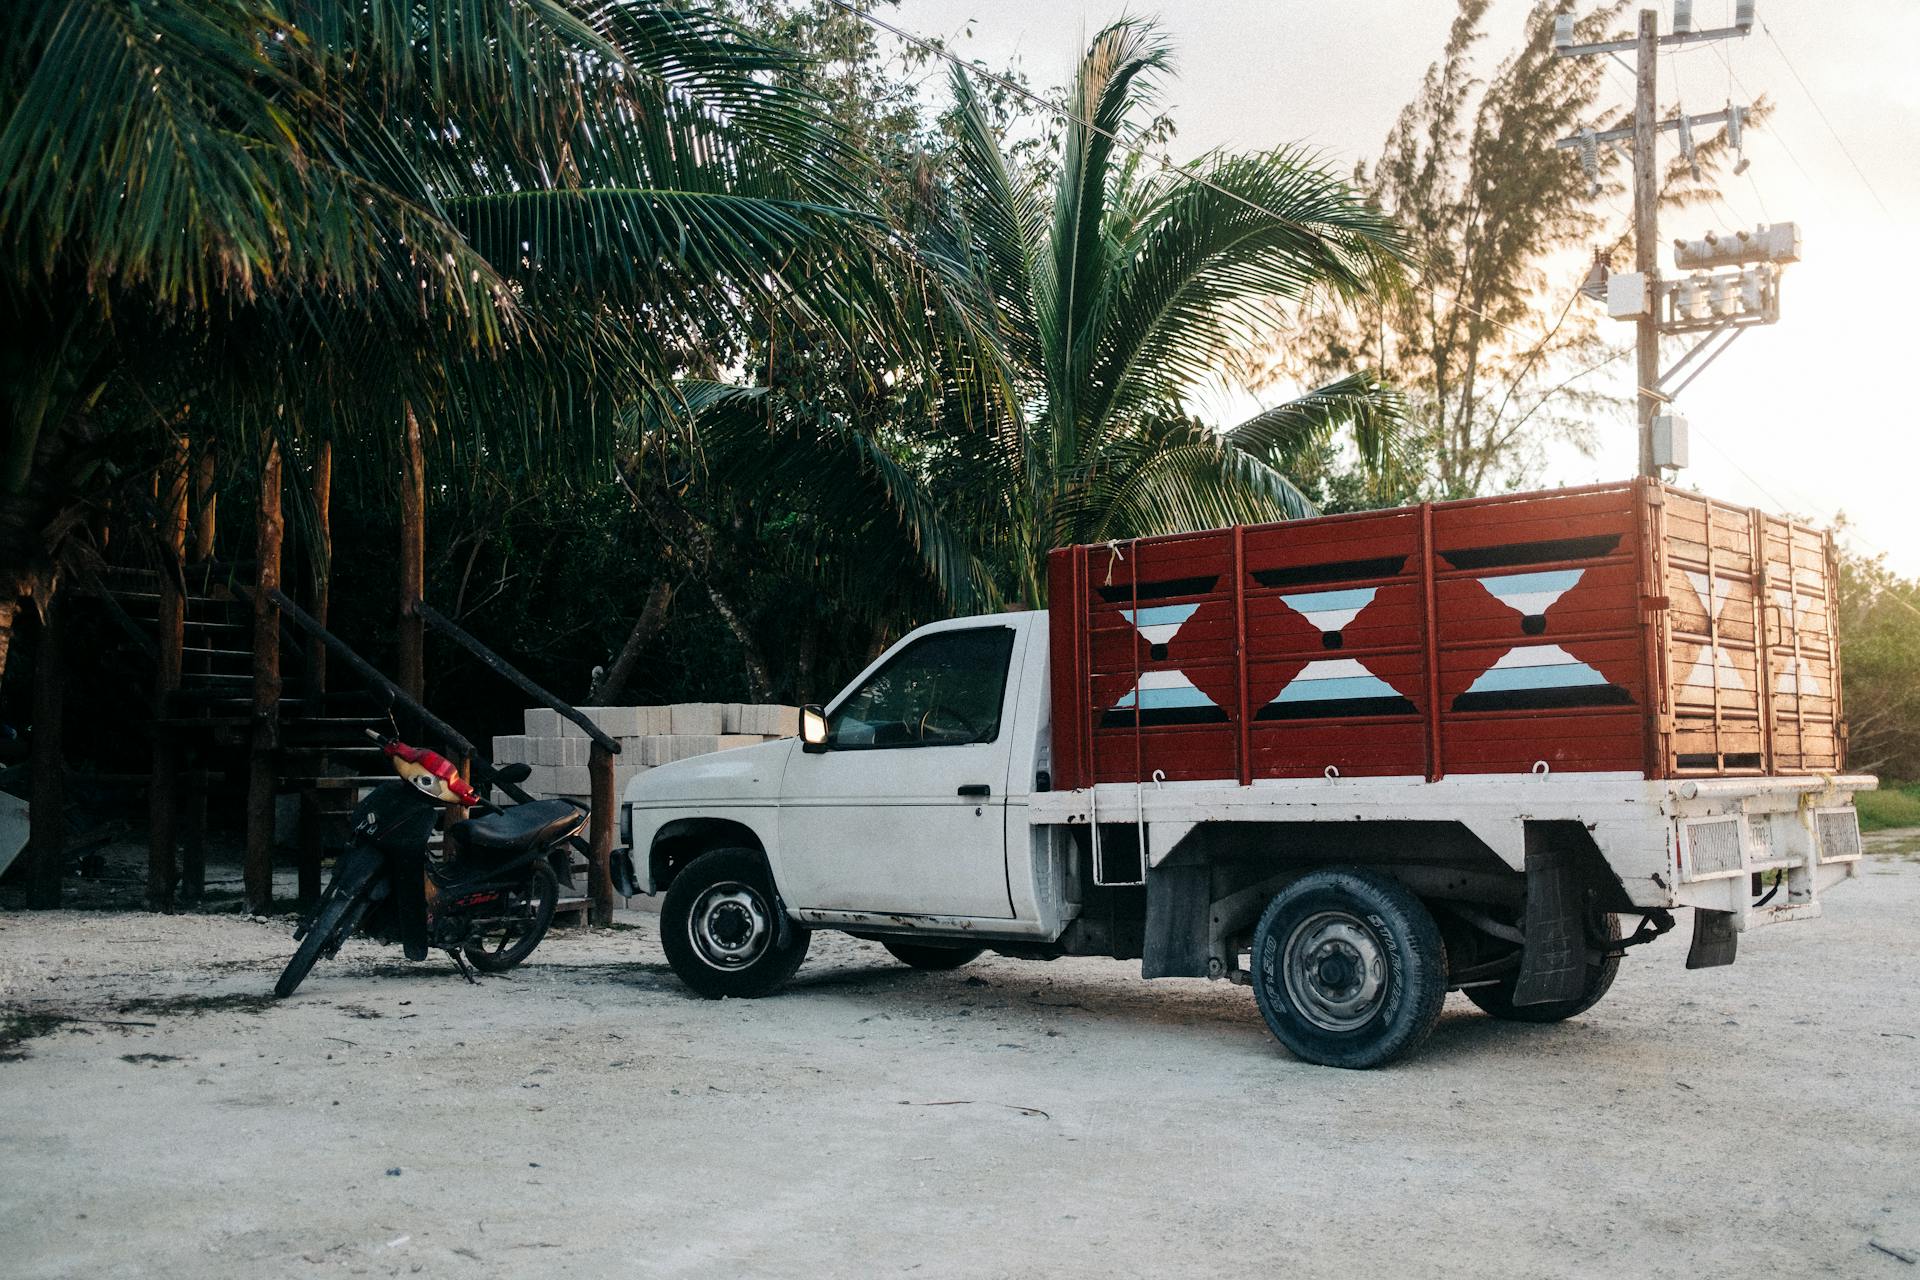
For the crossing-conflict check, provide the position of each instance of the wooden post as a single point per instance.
(266, 688)
(206, 501)
(600, 834)
(413, 560)
(312, 813)
(163, 787)
(323, 575)
(47, 843)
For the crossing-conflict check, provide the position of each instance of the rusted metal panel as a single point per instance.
(1624, 628)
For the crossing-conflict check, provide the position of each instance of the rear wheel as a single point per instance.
(722, 930)
(1348, 968)
(521, 927)
(337, 915)
(1496, 998)
(931, 956)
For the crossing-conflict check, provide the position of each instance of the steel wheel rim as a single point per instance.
(1335, 970)
(730, 926)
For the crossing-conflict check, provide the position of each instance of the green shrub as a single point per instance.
(1895, 804)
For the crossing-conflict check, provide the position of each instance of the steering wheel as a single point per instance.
(967, 730)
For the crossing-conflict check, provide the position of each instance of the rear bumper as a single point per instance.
(1733, 839)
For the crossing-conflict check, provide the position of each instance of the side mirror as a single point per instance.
(813, 730)
(513, 773)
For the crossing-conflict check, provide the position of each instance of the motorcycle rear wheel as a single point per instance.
(321, 937)
(515, 942)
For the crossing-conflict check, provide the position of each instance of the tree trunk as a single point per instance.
(266, 689)
(600, 834)
(206, 503)
(163, 787)
(653, 616)
(47, 817)
(413, 561)
(756, 665)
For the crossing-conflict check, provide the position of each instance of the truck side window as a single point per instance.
(943, 690)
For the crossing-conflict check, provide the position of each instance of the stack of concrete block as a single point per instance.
(556, 748)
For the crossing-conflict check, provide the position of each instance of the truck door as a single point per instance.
(904, 811)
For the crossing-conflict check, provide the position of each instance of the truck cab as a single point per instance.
(903, 814)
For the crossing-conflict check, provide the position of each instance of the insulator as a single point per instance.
(1682, 15)
(1753, 288)
(1725, 294)
(1590, 159)
(1562, 30)
(1686, 144)
(1736, 127)
(1743, 13)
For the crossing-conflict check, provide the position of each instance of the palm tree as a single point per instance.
(1132, 288)
(224, 216)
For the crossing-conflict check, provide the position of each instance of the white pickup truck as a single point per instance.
(917, 809)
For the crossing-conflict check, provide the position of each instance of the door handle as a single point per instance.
(975, 789)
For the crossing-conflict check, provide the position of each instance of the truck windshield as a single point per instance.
(942, 690)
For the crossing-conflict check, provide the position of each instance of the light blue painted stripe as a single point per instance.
(1327, 601)
(1555, 677)
(1160, 615)
(1337, 687)
(1522, 583)
(1150, 699)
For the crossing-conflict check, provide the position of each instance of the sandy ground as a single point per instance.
(586, 1117)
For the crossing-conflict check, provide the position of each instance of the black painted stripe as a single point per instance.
(1337, 708)
(1580, 695)
(1548, 552)
(1122, 718)
(1302, 575)
(1123, 592)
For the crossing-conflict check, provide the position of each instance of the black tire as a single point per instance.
(1348, 968)
(1497, 998)
(721, 927)
(931, 956)
(539, 896)
(327, 922)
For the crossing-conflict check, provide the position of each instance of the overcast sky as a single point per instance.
(1816, 414)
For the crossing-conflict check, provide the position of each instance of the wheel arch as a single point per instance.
(681, 840)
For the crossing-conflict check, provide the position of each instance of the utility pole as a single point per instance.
(1646, 230)
(1721, 306)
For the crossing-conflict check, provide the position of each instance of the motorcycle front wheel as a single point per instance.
(332, 924)
(513, 938)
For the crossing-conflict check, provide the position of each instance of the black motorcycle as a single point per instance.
(486, 898)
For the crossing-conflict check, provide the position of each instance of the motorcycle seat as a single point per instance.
(521, 827)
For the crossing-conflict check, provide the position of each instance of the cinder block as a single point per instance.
(568, 729)
(623, 776)
(510, 749)
(782, 721)
(616, 722)
(542, 722)
(547, 752)
(728, 741)
(539, 782)
(697, 718)
(730, 715)
(574, 751)
(572, 780)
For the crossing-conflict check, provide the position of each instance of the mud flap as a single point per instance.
(1714, 941)
(1553, 964)
(625, 882)
(1178, 899)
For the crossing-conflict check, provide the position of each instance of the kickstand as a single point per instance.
(466, 970)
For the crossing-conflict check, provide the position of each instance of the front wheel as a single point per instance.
(505, 943)
(1348, 968)
(332, 924)
(931, 956)
(721, 927)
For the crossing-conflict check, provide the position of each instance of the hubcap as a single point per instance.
(1336, 970)
(730, 926)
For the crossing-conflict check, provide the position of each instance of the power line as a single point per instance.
(1824, 119)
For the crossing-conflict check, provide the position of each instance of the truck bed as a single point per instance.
(1633, 630)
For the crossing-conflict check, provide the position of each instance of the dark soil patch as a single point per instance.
(233, 1002)
(18, 1026)
(139, 1058)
